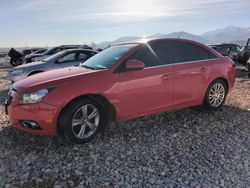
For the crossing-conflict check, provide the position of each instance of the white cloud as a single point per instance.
(128, 10)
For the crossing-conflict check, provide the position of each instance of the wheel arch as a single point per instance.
(223, 79)
(35, 72)
(218, 78)
(100, 99)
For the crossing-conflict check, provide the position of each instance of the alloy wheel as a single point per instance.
(85, 121)
(217, 94)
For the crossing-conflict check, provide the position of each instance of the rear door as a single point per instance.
(191, 67)
(143, 92)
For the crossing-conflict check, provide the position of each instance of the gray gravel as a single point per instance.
(186, 148)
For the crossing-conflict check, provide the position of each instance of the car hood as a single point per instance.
(52, 78)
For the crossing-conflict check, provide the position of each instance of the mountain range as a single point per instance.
(227, 34)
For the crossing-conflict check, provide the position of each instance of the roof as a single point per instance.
(146, 40)
(79, 49)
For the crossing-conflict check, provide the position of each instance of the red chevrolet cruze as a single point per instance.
(120, 83)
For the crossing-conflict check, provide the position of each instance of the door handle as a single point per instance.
(203, 69)
(166, 76)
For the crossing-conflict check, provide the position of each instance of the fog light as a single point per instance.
(30, 125)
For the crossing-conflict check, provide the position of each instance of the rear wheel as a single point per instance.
(82, 120)
(16, 62)
(215, 95)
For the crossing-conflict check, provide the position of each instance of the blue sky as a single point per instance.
(54, 22)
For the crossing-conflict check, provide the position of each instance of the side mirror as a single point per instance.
(134, 64)
(60, 60)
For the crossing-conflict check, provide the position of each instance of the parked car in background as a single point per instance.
(3, 57)
(42, 50)
(230, 50)
(61, 59)
(245, 53)
(120, 83)
(40, 56)
(16, 57)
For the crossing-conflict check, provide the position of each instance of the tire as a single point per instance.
(15, 62)
(84, 129)
(215, 98)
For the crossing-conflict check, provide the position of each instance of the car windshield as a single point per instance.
(108, 57)
(53, 57)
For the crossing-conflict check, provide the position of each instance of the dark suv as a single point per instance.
(245, 53)
(16, 57)
(230, 50)
(52, 51)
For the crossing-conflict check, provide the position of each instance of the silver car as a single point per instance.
(66, 58)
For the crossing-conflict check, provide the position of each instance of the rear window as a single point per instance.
(171, 52)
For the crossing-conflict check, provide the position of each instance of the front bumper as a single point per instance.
(44, 114)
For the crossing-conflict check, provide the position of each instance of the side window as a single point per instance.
(69, 57)
(82, 56)
(146, 55)
(186, 52)
(165, 51)
(54, 51)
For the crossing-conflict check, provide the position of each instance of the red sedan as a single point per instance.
(120, 83)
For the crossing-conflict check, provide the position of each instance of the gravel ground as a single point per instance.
(186, 148)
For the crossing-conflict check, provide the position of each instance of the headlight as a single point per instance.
(16, 72)
(32, 98)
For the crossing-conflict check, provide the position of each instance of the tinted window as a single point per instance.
(82, 56)
(147, 55)
(191, 52)
(166, 51)
(54, 57)
(69, 57)
(171, 52)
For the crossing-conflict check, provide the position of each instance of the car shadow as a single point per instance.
(145, 130)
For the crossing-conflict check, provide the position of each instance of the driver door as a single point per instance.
(143, 92)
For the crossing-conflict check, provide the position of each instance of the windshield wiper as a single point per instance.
(87, 67)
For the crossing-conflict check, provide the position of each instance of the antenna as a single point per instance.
(180, 34)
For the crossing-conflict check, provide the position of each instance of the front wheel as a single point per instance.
(215, 95)
(82, 120)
